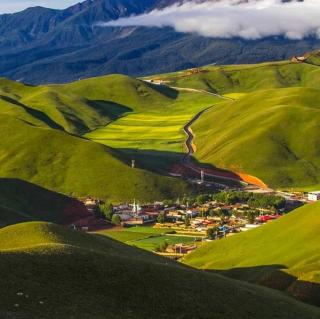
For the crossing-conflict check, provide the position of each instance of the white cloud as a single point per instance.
(253, 20)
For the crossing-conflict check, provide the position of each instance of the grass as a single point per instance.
(125, 236)
(146, 237)
(22, 201)
(157, 129)
(76, 166)
(273, 101)
(282, 254)
(150, 230)
(270, 119)
(67, 163)
(152, 243)
(55, 272)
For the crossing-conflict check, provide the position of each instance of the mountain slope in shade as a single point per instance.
(70, 274)
(21, 201)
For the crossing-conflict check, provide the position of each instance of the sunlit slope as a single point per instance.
(81, 106)
(55, 272)
(283, 254)
(75, 166)
(272, 134)
(247, 78)
(155, 128)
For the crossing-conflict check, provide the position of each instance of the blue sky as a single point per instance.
(17, 5)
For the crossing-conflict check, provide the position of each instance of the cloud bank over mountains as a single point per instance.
(253, 20)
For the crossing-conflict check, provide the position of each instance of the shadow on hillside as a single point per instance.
(164, 162)
(29, 201)
(41, 116)
(164, 90)
(109, 109)
(275, 277)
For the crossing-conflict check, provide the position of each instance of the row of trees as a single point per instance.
(232, 197)
(105, 211)
(253, 200)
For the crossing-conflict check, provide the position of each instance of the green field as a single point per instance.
(59, 273)
(147, 238)
(283, 254)
(157, 129)
(37, 144)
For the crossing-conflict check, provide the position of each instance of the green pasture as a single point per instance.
(160, 129)
(60, 273)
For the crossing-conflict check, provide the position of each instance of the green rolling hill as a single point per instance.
(55, 272)
(283, 254)
(42, 142)
(270, 129)
(272, 134)
(76, 166)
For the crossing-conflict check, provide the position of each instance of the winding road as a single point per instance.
(212, 172)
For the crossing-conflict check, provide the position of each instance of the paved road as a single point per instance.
(216, 173)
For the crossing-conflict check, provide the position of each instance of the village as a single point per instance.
(175, 228)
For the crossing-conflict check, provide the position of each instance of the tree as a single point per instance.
(168, 202)
(161, 218)
(116, 220)
(106, 211)
(187, 220)
(162, 247)
(251, 216)
(212, 232)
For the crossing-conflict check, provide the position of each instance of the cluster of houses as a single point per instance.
(199, 220)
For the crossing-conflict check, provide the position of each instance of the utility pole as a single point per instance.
(202, 176)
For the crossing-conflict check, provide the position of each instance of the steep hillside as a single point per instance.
(21, 201)
(257, 134)
(42, 45)
(59, 273)
(283, 254)
(81, 106)
(76, 166)
(37, 145)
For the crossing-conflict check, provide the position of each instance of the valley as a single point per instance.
(183, 186)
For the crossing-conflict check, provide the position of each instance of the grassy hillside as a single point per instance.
(76, 166)
(36, 146)
(21, 201)
(257, 134)
(81, 106)
(283, 254)
(247, 78)
(60, 273)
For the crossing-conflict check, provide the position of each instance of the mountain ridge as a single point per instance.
(56, 46)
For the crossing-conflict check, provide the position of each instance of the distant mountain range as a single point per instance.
(40, 45)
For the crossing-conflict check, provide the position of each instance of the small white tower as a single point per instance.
(202, 176)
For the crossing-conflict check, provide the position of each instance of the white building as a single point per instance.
(314, 196)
